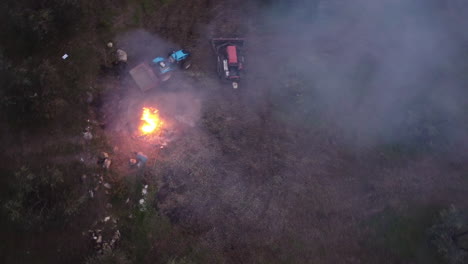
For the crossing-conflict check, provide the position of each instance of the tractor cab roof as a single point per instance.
(179, 55)
(158, 60)
(232, 54)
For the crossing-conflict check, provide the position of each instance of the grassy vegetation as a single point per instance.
(42, 197)
(150, 236)
(401, 234)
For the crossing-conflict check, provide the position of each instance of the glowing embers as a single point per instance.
(151, 123)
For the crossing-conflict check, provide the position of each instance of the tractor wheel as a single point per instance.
(165, 76)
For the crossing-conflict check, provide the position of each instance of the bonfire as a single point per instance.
(151, 123)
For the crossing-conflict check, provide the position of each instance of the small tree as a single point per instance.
(448, 235)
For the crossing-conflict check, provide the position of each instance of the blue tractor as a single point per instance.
(179, 59)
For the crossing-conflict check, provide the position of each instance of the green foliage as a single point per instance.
(106, 20)
(32, 94)
(121, 190)
(145, 226)
(148, 6)
(402, 233)
(42, 22)
(446, 234)
(32, 25)
(36, 94)
(137, 14)
(41, 196)
(28, 202)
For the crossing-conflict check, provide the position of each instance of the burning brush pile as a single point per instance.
(153, 129)
(151, 122)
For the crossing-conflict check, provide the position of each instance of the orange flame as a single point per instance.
(151, 122)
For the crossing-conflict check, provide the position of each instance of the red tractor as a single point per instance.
(230, 57)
